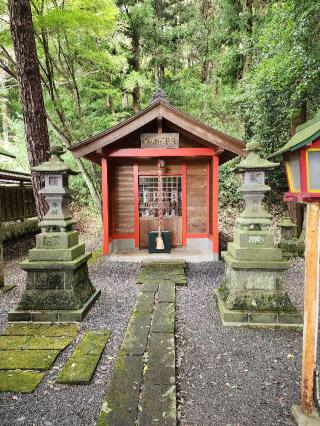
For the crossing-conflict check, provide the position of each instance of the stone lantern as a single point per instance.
(58, 286)
(288, 241)
(253, 291)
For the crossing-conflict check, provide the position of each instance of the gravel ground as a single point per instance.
(234, 376)
(53, 404)
(226, 376)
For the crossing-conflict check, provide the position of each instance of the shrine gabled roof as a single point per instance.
(163, 109)
(306, 133)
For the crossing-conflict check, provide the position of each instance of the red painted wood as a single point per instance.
(215, 204)
(303, 170)
(163, 174)
(316, 143)
(105, 205)
(208, 198)
(159, 152)
(184, 204)
(203, 235)
(123, 236)
(136, 205)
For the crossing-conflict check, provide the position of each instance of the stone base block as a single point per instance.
(303, 419)
(72, 315)
(257, 319)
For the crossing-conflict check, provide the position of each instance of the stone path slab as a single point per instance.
(158, 405)
(161, 366)
(142, 390)
(82, 364)
(121, 402)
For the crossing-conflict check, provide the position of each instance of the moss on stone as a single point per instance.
(47, 343)
(13, 342)
(46, 330)
(279, 302)
(224, 290)
(19, 381)
(96, 256)
(81, 365)
(120, 406)
(27, 359)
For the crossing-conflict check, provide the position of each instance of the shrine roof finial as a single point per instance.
(159, 95)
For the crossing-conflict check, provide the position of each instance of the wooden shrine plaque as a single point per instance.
(159, 140)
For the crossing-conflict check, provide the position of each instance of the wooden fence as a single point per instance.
(16, 196)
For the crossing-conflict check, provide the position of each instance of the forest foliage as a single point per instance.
(246, 67)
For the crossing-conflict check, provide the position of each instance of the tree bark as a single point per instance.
(135, 62)
(28, 75)
(4, 109)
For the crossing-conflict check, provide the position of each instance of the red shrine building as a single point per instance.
(129, 153)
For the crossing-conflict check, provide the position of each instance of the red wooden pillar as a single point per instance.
(136, 205)
(215, 204)
(184, 203)
(105, 205)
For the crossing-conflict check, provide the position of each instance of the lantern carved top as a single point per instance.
(302, 162)
(253, 161)
(55, 164)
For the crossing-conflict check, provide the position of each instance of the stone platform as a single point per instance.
(233, 317)
(60, 315)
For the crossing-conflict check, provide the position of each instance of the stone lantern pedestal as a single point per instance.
(58, 286)
(253, 291)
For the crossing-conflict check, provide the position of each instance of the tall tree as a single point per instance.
(28, 75)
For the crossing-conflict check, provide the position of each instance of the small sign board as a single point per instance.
(159, 140)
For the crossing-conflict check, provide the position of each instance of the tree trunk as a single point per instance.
(4, 109)
(135, 62)
(28, 74)
(300, 118)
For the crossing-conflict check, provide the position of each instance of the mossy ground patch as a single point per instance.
(46, 330)
(27, 359)
(81, 365)
(30, 347)
(19, 381)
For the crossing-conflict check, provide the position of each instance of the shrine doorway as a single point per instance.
(172, 207)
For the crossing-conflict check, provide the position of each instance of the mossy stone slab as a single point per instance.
(27, 359)
(78, 370)
(47, 343)
(47, 330)
(145, 301)
(120, 407)
(151, 287)
(136, 338)
(19, 381)
(161, 366)
(93, 343)
(166, 293)
(163, 318)
(13, 342)
(158, 406)
(82, 364)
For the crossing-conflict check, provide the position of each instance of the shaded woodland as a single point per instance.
(248, 68)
